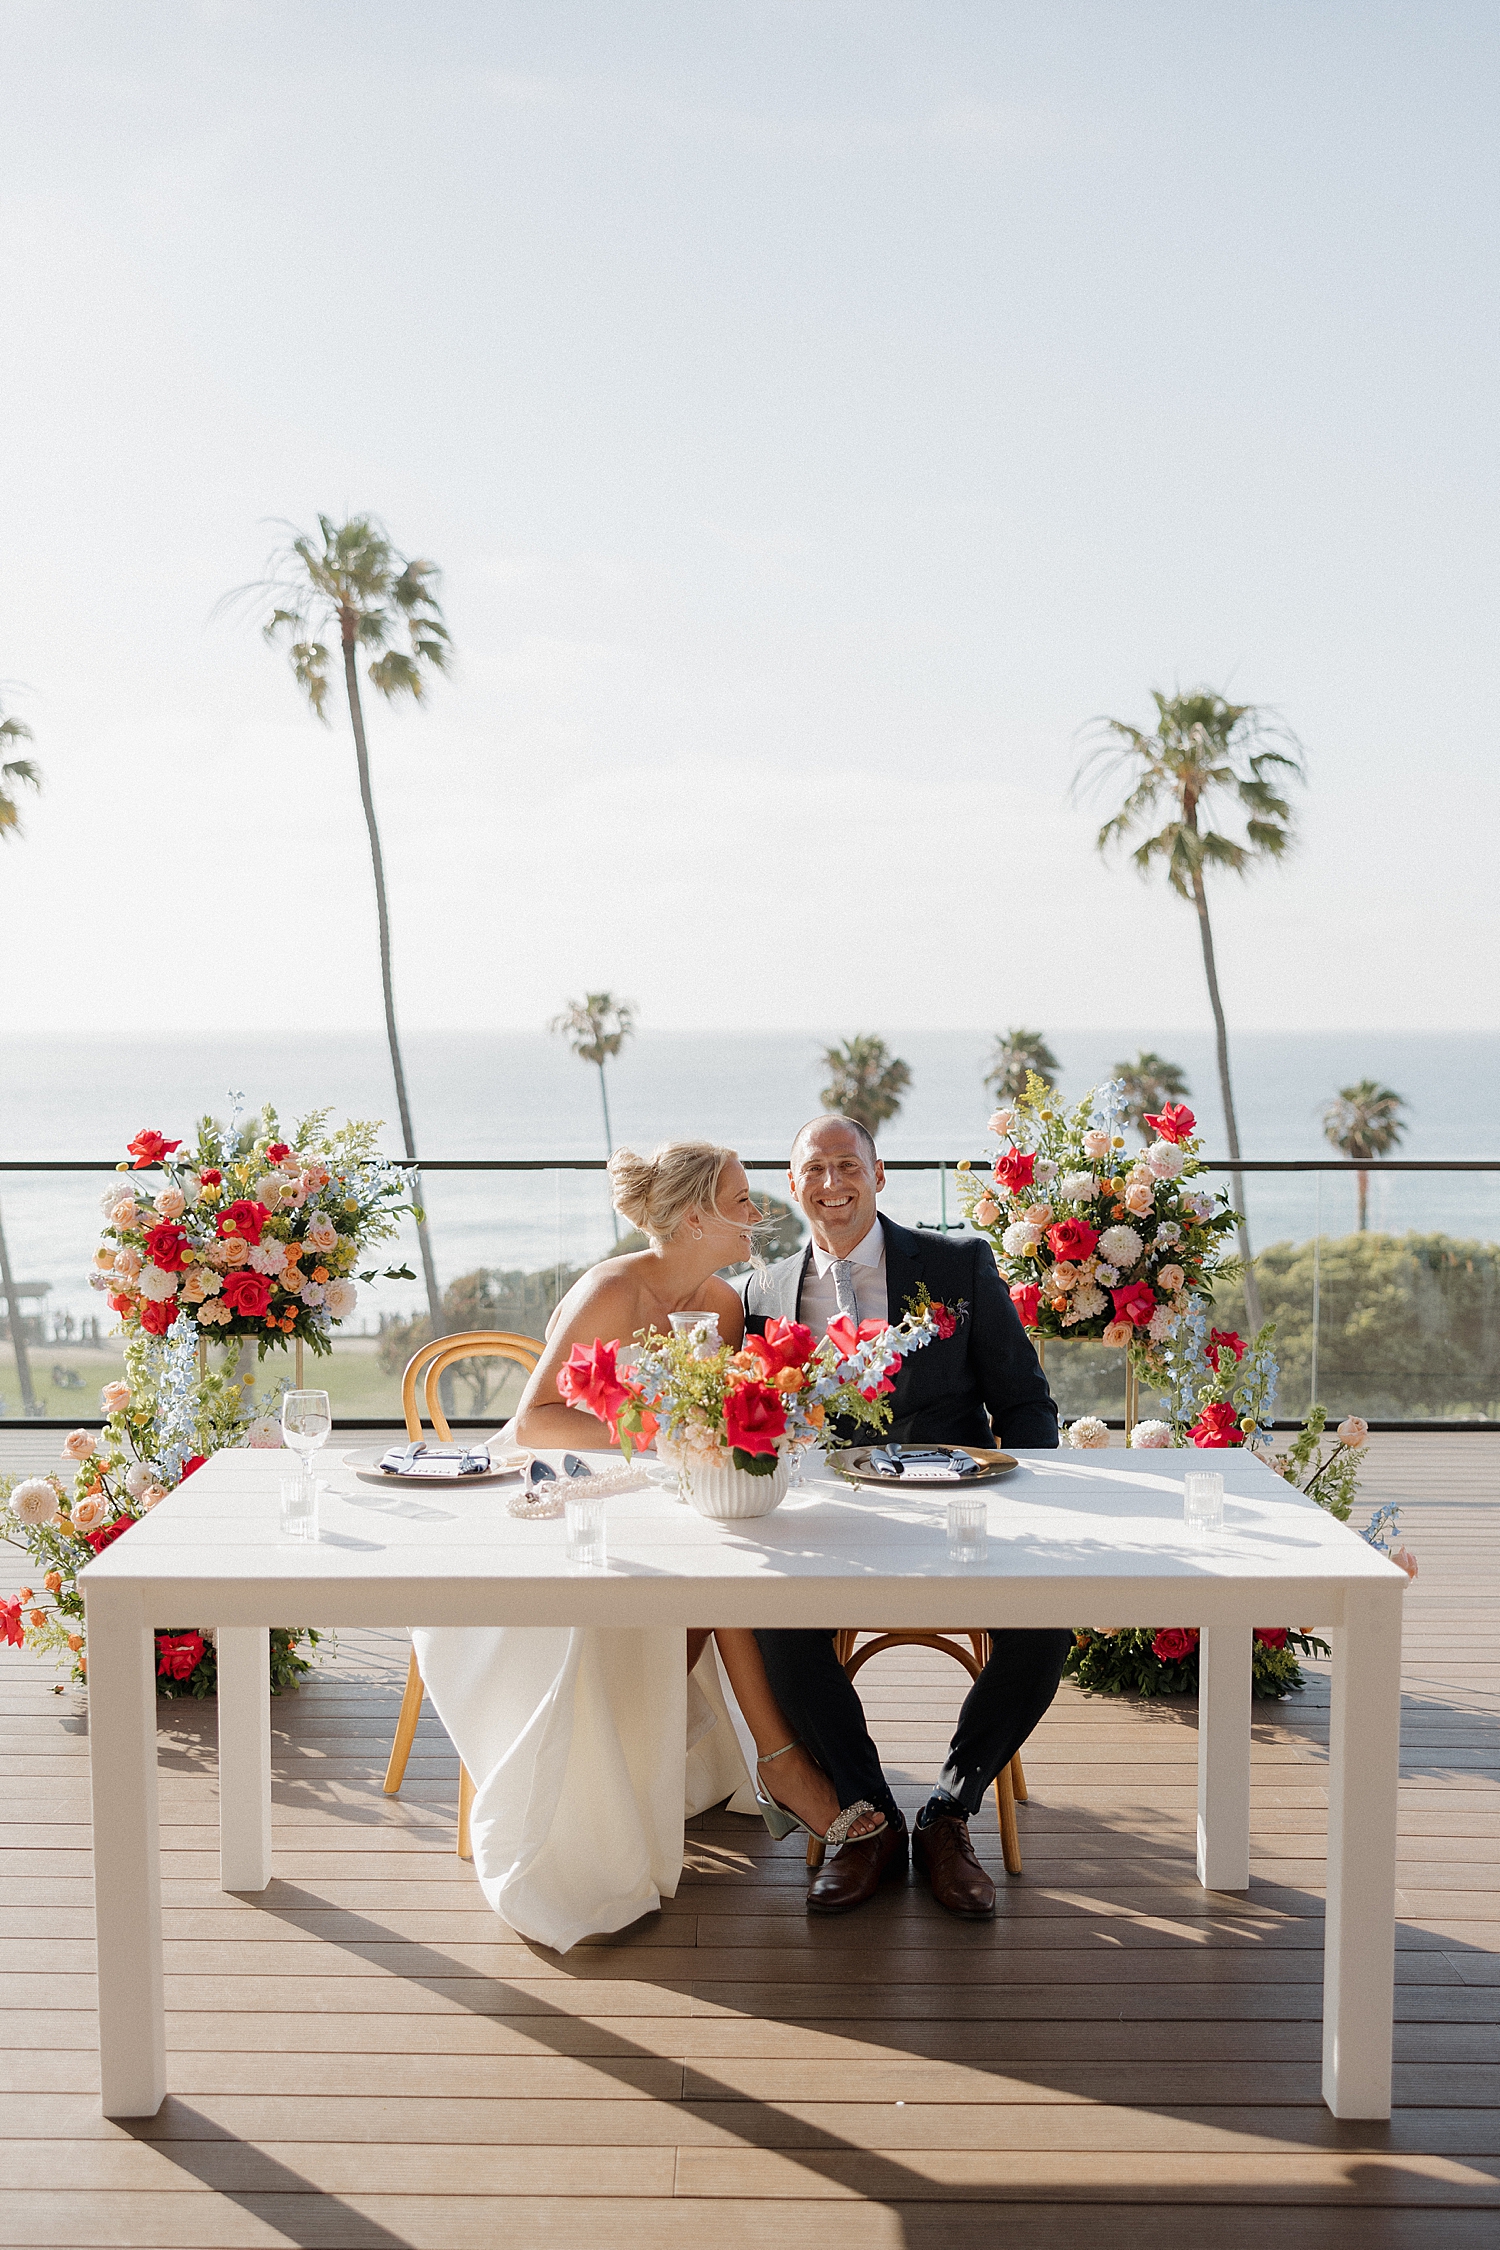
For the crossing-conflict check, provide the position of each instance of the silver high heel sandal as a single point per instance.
(781, 1821)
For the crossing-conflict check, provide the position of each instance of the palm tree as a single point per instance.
(865, 1080)
(350, 585)
(16, 774)
(1015, 1055)
(597, 1027)
(1150, 1082)
(1203, 751)
(1364, 1124)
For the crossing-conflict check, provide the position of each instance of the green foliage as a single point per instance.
(865, 1081)
(1017, 1056)
(1409, 1325)
(595, 1027)
(289, 1668)
(1122, 1663)
(350, 588)
(15, 774)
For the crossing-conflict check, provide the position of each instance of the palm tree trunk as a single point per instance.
(1362, 1183)
(609, 1145)
(29, 1405)
(357, 720)
(1226, 1095)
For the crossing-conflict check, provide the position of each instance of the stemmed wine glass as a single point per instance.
(306, 1420)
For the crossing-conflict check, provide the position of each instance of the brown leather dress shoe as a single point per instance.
(856, 1871)
(945, 1856)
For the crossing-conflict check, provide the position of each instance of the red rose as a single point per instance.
(108, 1533)
(165, 1245)
(786, 1343)
(1072, 1238)
(150, 1148)
(246, 1293)
(157, 1319)
(1174, 1642)
(843, 1334)
(210, 1178)
(1014, 1170)
(754, 1417)
(277, 1150)
(590, 1380)
(244, 1219)
(1175, 1123)
(12, 1632)
(178, 1655)
(120, 1304)
(1027, 1298)
(194, 1461)
(1217, 1425)
(1228, 1340)
(1135, 1304)
(1271, 1636)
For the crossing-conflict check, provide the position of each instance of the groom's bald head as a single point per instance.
(835, 1176)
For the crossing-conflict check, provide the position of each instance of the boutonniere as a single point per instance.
(946, 1319)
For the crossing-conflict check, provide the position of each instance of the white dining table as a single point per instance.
(1075, 1538)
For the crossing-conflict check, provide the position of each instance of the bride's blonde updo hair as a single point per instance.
(656, 1192)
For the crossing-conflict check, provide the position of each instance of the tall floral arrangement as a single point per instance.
(248, 1234)
(1092, 1243)
(160, 1426)
(751, 1408)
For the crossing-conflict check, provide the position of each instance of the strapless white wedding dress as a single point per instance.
(588, 1747)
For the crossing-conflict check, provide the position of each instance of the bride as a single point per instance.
(568, 1732)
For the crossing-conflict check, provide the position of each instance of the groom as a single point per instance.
(981, 1386)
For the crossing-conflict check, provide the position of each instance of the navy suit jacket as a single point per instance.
(985, 1377)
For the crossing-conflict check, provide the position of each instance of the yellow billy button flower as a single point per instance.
(350, 1204)
(964, 1164)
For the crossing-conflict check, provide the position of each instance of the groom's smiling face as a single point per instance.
(836, 1176)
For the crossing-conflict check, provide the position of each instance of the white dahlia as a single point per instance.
(1120, 1247)
(156, 1285)
(1165, 1159)
(340, 1299)
(1088, 1302)
(1088, 1433)
(1077, 1187)
(1163, 1323)
(1020, 1238)
(1151, 1434)
(34, 1501)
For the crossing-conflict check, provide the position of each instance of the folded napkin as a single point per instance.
(421, 1460)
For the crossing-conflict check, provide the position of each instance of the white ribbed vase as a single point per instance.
(729, 1493)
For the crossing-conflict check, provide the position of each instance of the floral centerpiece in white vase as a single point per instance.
(732, 1422)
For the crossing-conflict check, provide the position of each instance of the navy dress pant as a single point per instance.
(999, 1712)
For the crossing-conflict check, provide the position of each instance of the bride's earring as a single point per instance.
(696, 1233)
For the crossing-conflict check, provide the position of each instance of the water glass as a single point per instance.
(299, 1505)
(968, 1529)
(1203, 1499)
(585, 1518)
(683, 1324)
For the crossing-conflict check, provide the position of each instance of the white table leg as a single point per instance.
(1224, 1757)
(127, 1852)
(1359, 1940)
(244, 1757)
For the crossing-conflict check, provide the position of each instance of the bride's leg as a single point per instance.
(797, 1779)
(697, 1642)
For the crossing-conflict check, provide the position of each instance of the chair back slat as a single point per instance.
(433, 1360)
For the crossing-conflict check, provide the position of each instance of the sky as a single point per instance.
(820, 414)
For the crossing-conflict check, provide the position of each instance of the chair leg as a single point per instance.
(815, 1851)
(406, 1728)
(1018, 1780)
(1010, 1840)
(465, 1800)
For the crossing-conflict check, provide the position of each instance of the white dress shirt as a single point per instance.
(867, 1259)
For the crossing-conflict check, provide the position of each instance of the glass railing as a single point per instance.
(1399, 1321)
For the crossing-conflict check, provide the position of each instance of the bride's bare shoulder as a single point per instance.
(607, 1293)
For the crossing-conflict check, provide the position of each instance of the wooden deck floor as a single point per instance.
(365, 2056)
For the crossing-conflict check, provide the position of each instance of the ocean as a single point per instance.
(522, 1094)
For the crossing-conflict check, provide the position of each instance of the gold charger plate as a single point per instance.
(366, 1467)
(854, 1463)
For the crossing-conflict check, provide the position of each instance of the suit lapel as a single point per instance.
(789, 1278)
(903, 1267)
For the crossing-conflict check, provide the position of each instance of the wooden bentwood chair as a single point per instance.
(1010, 1782)
(431, 1363)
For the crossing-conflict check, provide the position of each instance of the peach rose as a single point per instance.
(1405, 1560)
(1095, 1145)
(171, 1203)
(128, 1262)
(87, 1515)
(322, 1235)
(153, 1495)
(1039, 1215)
(1117, 1333)
(125, 1213)
(78, 1445)
(986, 1211)
(1002, 1121)
(1171, 1279)
(1353, 1431)
(1138, 1201)
(236, 1250)
(114, 1397)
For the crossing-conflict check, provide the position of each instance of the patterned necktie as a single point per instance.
(843, 1289)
